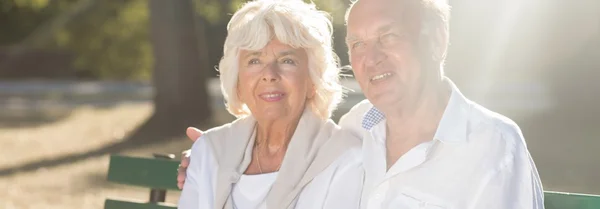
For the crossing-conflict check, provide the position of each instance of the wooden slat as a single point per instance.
(121, 204)
(143, 172)
(560, 200)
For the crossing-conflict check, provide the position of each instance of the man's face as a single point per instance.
(382, 37)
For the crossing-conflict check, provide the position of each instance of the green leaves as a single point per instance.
(112, 41)
(109, 39)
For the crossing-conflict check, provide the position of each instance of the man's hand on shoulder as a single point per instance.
(193, 134)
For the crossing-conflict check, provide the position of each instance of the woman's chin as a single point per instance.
(274, 114)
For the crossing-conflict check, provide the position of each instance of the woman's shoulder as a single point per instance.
(224, 139)
(226, 132)
(343, 135)
(203, 146)
(351, 158)
(210, 143)
(226, 128)
(345, 143)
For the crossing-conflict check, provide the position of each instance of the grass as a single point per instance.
(78, 184)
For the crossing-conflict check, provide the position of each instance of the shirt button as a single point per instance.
(376, 197)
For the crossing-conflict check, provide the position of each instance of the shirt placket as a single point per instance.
(377, 160)
(384, 178)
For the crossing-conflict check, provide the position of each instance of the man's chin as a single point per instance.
(385, 100)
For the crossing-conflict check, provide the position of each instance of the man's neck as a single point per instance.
(411, 125)
(423, 112)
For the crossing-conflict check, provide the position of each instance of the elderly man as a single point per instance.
(424, 144)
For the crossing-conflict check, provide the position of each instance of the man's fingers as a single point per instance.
(180, 177)
(185, 162)
(185, 159)
(193, 133)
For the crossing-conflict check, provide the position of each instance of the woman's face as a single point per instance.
(274, 82)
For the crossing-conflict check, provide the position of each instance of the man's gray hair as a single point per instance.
(435, 15)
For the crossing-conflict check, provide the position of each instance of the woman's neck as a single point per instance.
(274, 136)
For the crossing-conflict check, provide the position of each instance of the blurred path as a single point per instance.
(27, 95)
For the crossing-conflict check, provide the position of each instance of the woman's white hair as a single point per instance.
(294, 23)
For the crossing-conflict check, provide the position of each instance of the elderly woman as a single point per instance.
(279, 76)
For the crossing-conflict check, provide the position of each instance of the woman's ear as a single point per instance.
(237, 92)
(312, 91)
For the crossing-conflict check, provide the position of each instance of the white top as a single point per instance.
(477, 159)
(251, 190)
(338, 186)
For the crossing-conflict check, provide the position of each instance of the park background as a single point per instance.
(83, 79)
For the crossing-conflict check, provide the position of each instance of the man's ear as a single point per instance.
(440, 43)
(433, 42)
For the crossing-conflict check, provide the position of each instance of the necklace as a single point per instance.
(258, 160)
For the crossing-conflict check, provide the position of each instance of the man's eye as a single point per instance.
(289, 61)
(357, 44)
(253, 61)
(390, 38)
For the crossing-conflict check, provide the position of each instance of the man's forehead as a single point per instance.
(376, 15)
(382, 9)
(376, 28)
(373, 5)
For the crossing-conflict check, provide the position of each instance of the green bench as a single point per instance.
(561, 200)
(160, 174)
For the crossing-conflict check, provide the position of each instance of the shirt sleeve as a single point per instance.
(515, 184)
(346, 187)
(199, 185)
(352, 120)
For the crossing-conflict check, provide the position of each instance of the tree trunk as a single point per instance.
(180, 68)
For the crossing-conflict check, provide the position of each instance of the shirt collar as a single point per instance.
(372, 118)
(453, 125)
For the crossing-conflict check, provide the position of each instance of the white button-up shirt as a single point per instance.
(477, 159)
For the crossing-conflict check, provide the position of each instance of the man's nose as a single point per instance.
(374, 55)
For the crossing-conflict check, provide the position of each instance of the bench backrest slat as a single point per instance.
(143, 172)
(560, 200)
(117, 204)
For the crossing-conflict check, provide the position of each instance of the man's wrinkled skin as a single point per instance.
(193, 134)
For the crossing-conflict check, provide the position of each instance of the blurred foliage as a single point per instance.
(18, 18)
(219, 11)
(111, 40)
